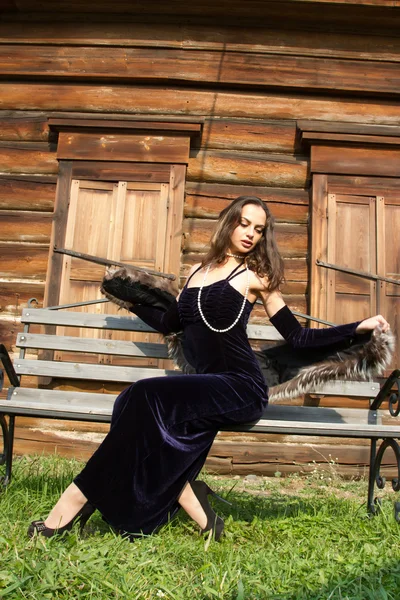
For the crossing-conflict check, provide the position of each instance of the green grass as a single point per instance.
(294, 538)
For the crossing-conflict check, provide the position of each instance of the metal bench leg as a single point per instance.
(4, 431)
(371, 479)
(376, 477)
(8, 443)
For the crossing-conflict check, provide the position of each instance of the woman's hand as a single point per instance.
(371, 323)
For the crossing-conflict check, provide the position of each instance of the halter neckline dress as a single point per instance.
(162, 428)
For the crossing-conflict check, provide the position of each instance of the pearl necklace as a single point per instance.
(233, 255)
(240, 312)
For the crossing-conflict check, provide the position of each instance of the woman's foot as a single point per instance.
(71, 506)
(40, 528)
(195, 502)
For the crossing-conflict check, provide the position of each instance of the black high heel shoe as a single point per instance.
(214, 523)
(39, 528)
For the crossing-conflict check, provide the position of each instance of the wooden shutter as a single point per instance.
(360, 232)
(123, 221)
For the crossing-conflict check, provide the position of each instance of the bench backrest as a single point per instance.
(53, 342)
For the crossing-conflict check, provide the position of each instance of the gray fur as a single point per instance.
(367, 362)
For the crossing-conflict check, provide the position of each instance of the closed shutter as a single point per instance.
(356, 231)
(122, 221)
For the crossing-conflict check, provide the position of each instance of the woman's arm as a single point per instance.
(300, 337)
(163, 321)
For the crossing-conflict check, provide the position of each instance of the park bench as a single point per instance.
(374, 423)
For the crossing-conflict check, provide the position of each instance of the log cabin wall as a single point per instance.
(250, 73)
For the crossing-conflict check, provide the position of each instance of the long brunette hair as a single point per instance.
(264, 259)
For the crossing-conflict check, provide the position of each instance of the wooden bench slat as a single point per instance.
(302, 420)
(43, 316)
(321, 414)
(87, 371)
(362, 389)
(52, 402)
(91, 345)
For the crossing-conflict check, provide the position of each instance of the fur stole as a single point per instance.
(362, 363)
(127, 286)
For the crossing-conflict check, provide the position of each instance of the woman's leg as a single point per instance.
(67, 507)
(192, 506)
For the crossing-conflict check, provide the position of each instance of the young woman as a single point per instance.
(162, 428)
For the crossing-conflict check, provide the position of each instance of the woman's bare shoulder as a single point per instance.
(194, 268)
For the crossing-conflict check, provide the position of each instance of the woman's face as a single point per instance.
(251, 227)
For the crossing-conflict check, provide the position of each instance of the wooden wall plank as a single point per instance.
(286, 205)
(355, 161)
(365, 186)
(14, 295)
(28, 127)
(337, 15)
(144, 100)
(295, 268)
(123, 147)
(25, 226)
(22, 260)
(292, 239)
(247, 134)
(154, 64)
(14, 160)
(125, 171)
(206, 37)
(248, 169)
(26, 195)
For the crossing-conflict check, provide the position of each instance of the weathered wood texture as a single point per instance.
(249, 89)
(234, 456)
(339, 15)
(223, 68)
(144, 100)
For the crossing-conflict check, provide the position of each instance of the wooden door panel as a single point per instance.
(350, 244)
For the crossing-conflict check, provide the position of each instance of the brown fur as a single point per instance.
(134, 276)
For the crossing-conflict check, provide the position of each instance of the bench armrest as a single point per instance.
(8, 367)
(394, 398)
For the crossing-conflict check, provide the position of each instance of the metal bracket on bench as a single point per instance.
(375, 476)
(394, 398)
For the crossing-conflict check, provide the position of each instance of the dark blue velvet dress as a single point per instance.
(162, 428)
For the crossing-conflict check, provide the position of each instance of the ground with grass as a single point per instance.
(285, 539)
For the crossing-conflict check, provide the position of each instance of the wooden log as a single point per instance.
(25, 226)
(202, 37)
(355, 161)
(26, 195)
(14, 160)
(245, 134)
(305, 453)
(24, 260)
(123, 147)
(365, 186)
(208, 200)
(337, 15)
(14, 295)
(248, 169)
(27, 127)
(292, 239)
(218, 67)
(295, 268)
(175, 101)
